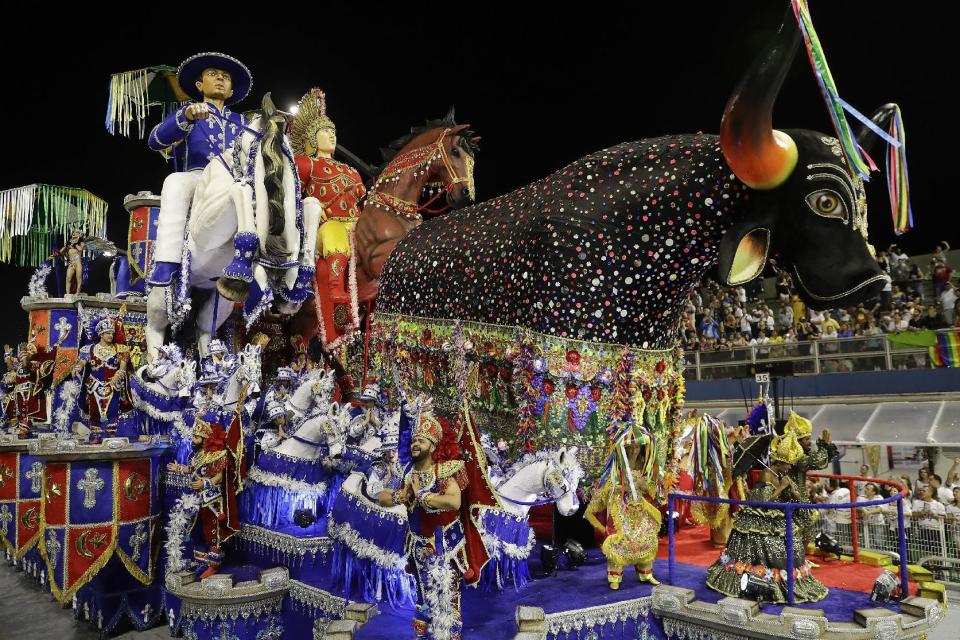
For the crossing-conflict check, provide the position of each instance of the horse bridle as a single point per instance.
(413, 159)
(568, 488)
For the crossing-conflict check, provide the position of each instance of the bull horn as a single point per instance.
(761, 156)
(866, 138)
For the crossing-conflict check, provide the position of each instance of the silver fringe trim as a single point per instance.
(301, 488)
(283, 544)
(579, 619)
(244, 610)
(317, 600)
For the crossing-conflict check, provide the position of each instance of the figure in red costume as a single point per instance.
(30, 376)
(444, 487)
(105, 378)
(218, 471)
(338, 188)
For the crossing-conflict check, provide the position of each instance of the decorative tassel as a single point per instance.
(130, 101)
(898, 180)
(828, 88)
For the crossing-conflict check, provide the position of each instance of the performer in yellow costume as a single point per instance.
(339, 189)
(632, 522)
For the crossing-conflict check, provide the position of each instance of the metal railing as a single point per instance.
(790, 507)
(837, 355)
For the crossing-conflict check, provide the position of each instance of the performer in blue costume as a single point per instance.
(196, 134)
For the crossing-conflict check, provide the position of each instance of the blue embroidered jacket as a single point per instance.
(201, 139)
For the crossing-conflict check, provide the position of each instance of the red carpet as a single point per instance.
(693, 547)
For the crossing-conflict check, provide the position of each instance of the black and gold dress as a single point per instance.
(757, 545)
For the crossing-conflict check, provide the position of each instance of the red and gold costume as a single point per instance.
(339, 190)
(30, 376)
(105, 381)
(221, 465)
(444, 545)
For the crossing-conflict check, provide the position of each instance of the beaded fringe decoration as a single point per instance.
(130, 97)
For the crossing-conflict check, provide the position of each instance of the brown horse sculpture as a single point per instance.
(438, 158)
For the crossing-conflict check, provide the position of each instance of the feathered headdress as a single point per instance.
(311, 117)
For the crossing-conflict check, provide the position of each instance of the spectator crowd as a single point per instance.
(718, 318)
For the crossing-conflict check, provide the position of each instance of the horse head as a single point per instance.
(562, 478)
(805, 204)
(438, 156)
(247, 372)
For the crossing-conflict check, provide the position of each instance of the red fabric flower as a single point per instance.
(660, 394)
(548, 387)
(661, 366)
(595, 393)
(427, 335)
(572, 391)
(647, 393)
(573, 357)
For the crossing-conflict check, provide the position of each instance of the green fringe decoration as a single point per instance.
(33, 215)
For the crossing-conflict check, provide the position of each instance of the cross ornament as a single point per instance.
(146, 612)
(90, 484)
(35, 475)
(53, 549)
(136, 541)
(5, 517)
(63, 328)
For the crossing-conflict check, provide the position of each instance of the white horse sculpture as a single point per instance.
(248, 196)
(549, 476)
(314, 389)
(161, 389)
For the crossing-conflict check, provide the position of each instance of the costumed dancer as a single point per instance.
(441, 491)
(217, 467)
(337, 189)
(757, 542)
(811, 460)
(196, 134)
(34, 375)
(105, 377)
(72, 255)
(632, 522)
(277, 393)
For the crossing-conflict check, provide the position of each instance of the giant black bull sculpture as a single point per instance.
(607, 250)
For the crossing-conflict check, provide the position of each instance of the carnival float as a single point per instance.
(320, 402)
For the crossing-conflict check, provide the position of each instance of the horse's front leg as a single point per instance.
(298, 279)
(237, 276)
(218, 305)
(157, 320)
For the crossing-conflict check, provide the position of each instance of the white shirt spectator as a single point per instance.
(944, 495)
(742, 295)
(890, 513)
(786, 316)
(948, 299)
(876, 515)
(927, 512)
(816, 317)
(840, 495)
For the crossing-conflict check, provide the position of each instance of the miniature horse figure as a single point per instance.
(160, 391)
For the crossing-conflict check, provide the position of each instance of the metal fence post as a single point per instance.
(697, 359)
(670, 503)
(815, 352)
(789, 518)
(902, 534)
(854, 535)
(887, 354)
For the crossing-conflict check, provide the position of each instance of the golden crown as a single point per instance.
(311, 117)
(798, 426)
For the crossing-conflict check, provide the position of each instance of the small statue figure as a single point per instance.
(105, 379)
(72, 255)
(30, 375)
(367, 414)
(217, 468)
(338, 189)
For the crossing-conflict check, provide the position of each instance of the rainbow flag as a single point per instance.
(946, 353)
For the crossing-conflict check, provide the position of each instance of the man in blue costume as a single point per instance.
(197, 134)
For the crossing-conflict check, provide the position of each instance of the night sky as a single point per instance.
(542, 88)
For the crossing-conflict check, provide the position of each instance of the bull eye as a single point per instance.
(828, 204)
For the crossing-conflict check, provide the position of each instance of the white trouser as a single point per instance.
(175, 200)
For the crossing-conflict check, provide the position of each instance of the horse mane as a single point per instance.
(527, 460)
(467, 141)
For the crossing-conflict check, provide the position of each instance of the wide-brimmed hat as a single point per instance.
(191, 68)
